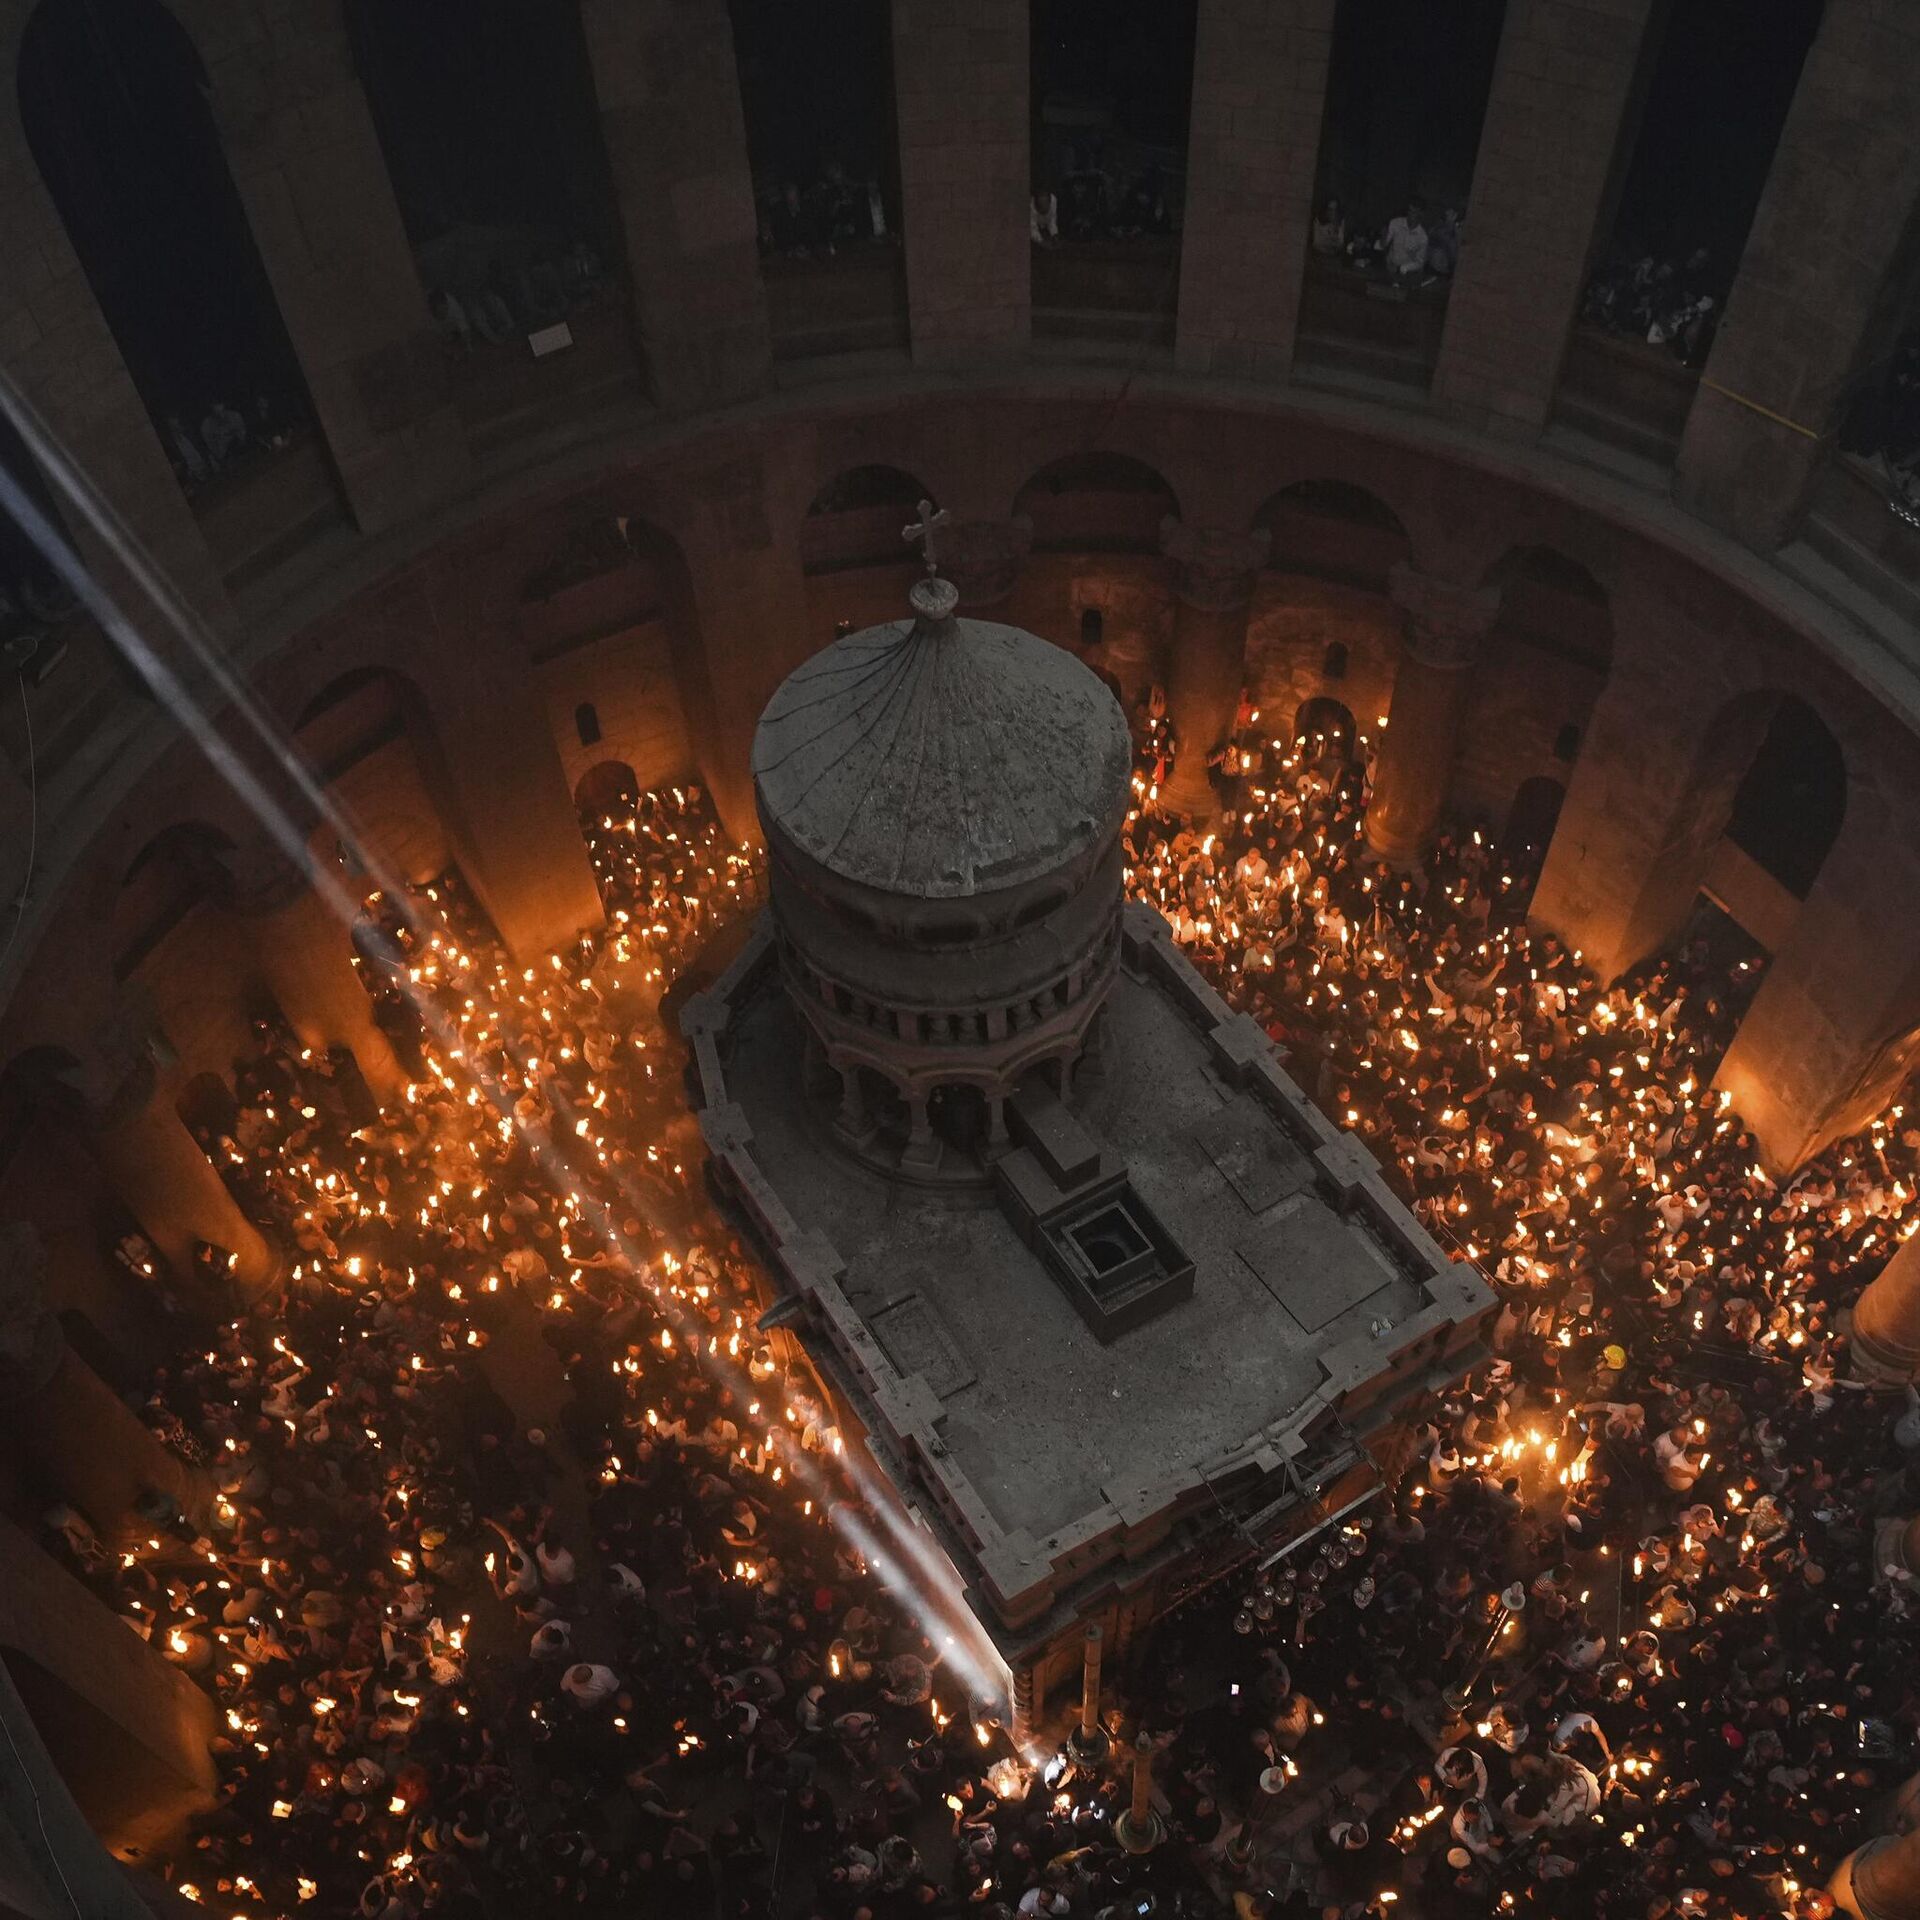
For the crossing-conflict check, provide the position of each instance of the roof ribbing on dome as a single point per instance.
(942, 757)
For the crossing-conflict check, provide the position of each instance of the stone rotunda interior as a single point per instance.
(959, 956)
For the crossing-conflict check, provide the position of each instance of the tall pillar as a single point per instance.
(300, 141)
(1442, 631)
(1880, 1880)
(1833, 223)
(676, 143)
(170, 1187)
(983, 559)
(304, 958)
(960, 89)
(82, 1436)
(1259, 82)
(1561, 87)
(1886, 1320)
(1214, 572)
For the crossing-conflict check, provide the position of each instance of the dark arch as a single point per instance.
(113, 100)
(1790, 803)
(1333, 530)
(179, 868)
(855, 520)
(1530, 822)
(1555, 605)
(206, 1107)
(1327, 727)
(1097, 502)
(609, 788)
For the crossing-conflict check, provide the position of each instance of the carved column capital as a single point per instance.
(983, 558)
(1444, 623)
(1214, 567)
(31, 1342)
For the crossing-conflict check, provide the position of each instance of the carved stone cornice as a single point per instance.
(1214, 567)
(1444, 623)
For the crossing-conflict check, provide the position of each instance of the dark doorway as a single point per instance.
(113, 98)
(1788, 808)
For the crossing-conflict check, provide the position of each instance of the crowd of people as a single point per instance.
(833, 213)
(1882, 425)
(516, 291)
(1667, 303)
(1412, 249)
(536, 1573)
(226, 434)
(1099, 194)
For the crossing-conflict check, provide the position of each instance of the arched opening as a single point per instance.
(1528, 833)
(1763, 803)
(1111, 95)
(177, 870)
(1333, 530)
(586, 724)
(487, 115)
(1096, 503)
(856, 520)
(1333, 663)
(816, 89)
(607, 791)
(1788, 808)
(207, 1108)
(1325, 730)
(364, 733)
(1407, 90)
(114, 102)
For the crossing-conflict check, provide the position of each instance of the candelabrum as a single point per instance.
(1140, 1829)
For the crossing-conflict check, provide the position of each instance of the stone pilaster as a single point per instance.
(1444, 625)
(81, 1436)
(301, 144)
(676, 142)
(1259, 80)
(1561, 90)
(960, 84)
(1886, 1321)
(1214, 573)
(1831, 225)
(1881, 1880)
(304, 958)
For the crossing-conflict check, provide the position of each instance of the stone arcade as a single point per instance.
(1116, 1306)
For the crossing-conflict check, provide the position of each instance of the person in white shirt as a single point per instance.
(1405, 245)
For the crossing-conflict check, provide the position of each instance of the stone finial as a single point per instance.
(1215, 567)
(31, 1342)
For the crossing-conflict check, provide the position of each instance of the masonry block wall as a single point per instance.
(1259, 78)
(1560, 88)
(960, 81)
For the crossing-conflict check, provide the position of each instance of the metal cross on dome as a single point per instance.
(923, 530)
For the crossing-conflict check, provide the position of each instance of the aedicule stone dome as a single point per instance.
(942, 802)
(942, 758)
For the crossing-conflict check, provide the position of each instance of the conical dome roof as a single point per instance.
(941, 757)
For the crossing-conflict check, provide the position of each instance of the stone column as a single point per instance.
(676, 143)
(300, 140)
(1561, 89)
(1214, 572)
(170, 1187)
(1831, 229)
(1443, 628)
(1259, 81)
(1886, 1321)
(304, 957)
(960, 88)
(983, 559)
(1880, 1880)
(82, 1436)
